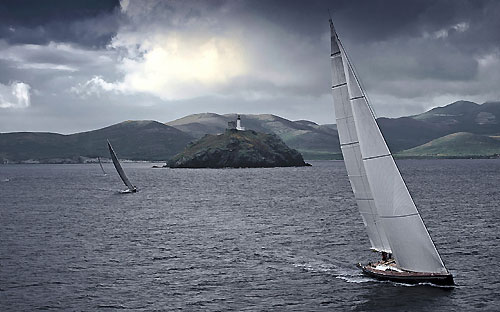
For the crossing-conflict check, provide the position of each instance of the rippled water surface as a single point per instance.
(280, 239)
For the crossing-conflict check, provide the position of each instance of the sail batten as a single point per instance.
(377, 156)
(387, 209)
(358, 97)
(401, 216)
(347, 144)
(339, 85)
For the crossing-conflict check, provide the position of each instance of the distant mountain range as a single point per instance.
(134, 140)
(460, 129)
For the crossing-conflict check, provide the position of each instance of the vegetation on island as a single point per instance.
(237, 149)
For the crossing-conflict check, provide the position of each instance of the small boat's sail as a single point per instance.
(100, 164)
(119, 168)
(393, 223)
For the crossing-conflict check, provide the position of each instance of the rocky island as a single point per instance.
(237, 149)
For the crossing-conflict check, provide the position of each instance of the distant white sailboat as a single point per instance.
(394, 225)
(121, 173)
(100, 164)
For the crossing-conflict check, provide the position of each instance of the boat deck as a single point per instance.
(388, 270)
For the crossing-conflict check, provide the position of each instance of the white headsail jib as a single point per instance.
(366, 154)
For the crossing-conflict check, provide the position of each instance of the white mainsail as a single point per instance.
(395, 216)
(119, 168)
(351, 151)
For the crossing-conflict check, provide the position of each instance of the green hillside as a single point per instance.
(454, 110)
(135, 140)
(464, 116)
(197, 125)
(405, 132)
(460, 144)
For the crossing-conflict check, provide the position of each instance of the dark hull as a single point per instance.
(408, 277)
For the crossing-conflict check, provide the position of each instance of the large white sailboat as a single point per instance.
(394, 226)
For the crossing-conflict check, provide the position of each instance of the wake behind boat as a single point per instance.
(121, 173)
(393, 223)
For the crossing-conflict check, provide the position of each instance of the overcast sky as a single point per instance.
(70, 66)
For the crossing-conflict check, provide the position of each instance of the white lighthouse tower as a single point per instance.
(238, 124)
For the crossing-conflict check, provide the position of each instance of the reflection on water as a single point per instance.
(388, 296)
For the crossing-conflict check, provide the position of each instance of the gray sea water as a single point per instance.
(278, 239)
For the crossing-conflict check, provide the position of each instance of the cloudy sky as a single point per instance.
(70, 66)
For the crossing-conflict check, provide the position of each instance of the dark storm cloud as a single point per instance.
(411, 55)
(90, 23)
(383, 20)
(387, 39)
(367, 21)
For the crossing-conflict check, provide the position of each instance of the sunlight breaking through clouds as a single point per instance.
(15, 95)
(173, 67)
(188, 53)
